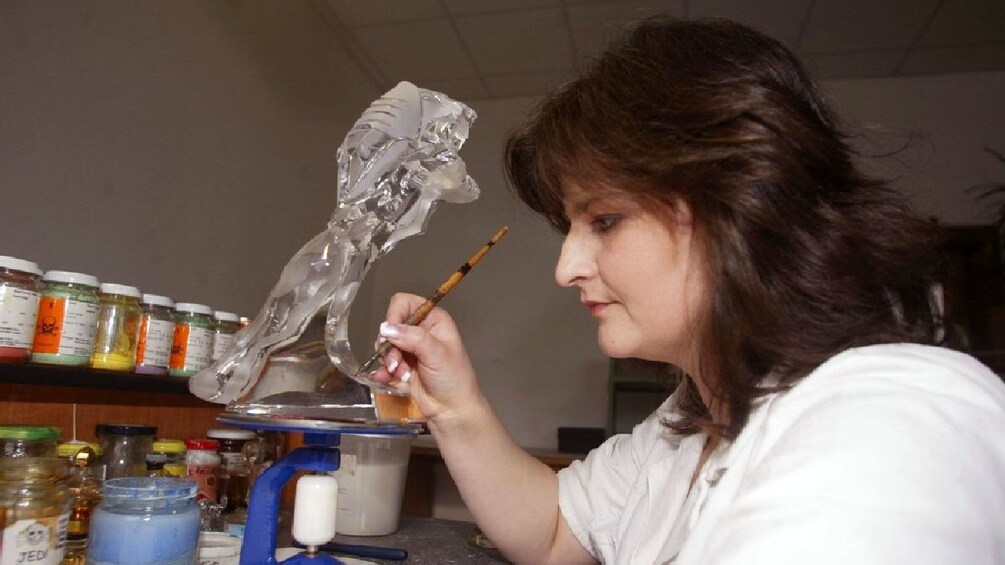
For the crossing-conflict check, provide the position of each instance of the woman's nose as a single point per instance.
(575, 263)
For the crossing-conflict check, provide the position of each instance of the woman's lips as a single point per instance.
(596, 308)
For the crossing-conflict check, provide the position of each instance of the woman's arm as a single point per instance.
(512, 495)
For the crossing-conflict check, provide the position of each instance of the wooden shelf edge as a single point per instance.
(83, 377)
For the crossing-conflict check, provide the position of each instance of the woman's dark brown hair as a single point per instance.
(805, 255)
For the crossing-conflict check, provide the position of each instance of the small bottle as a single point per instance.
(173, 451)
(35, 505)
(118, 328)
(28, 441)
(244, 321)
(124, 448)
(203, 466)
(67, 319)
(84, 484)
(145, 520)
(153, 350)
(20, 288)
(192, 344)
(234, 468)
(155, 464)
(225, 325)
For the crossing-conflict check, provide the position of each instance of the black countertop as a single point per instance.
(430, 540)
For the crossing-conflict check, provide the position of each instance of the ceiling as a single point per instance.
(478, 49)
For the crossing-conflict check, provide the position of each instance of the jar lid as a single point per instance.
(202, 444)
(157, 458)
(245, 320)
(125, 430)
(225, 316)
(193, 308)
(169, 446)
(16, 264)
(34, 433)
(123, 289)
(149, 489)
(71, 448)
(157, 300)
(71, 278)
(230, 433)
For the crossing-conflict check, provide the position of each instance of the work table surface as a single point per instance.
(432, 541)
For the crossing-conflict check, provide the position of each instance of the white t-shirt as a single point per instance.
(885, 454)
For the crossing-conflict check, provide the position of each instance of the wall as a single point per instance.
(185, 147)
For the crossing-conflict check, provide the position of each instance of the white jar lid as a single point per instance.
(71, 278)
(226, 433)
(124, 289)
(193, 308)
(16, 264)
(158, 300)
(225, 316)
(245, 320)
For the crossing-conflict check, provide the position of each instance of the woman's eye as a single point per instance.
(604, 222)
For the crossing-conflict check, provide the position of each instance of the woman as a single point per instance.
(714, 220)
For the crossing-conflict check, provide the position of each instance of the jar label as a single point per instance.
(65, 326)
(191, 348)
(207, 475)
(220, 344)
(176, 470)
(18, 311)
(38, 541)
(154, 346)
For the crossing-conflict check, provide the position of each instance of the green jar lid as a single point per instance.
(31, 433)
(169, 446)
(70, 448)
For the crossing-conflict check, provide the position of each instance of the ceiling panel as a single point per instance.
(517, 42)
(871, 64)
(500, 48)
(781, 19)
(835, 26)
(593, 25)
(354, 13)
(479, 6)
(460, 88)
(942, 60)
(526, 85)
(427, 49)
(966, 21)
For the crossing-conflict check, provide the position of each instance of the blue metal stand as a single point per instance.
(320, 454)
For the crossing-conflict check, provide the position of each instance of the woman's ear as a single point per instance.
(682, 215)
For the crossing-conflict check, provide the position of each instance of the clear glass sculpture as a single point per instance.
(396, 163)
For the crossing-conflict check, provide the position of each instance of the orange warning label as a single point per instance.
(49, 325)
(179, 346)
(141, 343)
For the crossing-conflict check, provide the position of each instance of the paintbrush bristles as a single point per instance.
(426, 307)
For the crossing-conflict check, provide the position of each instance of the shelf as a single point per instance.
(83, 377)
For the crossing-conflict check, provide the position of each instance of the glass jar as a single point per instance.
(67, 319)
(192, 344)
(225, 325)
(124, 448)
(234, 469)
(35, 506)
(84, 484)
(173, 451)
(20, 285)
(202, 463)
(145, 521)
(28, 441)
(118, 328)
(153, 351)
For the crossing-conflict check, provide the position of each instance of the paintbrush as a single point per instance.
(422, 311)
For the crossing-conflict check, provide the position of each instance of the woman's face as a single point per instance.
(638, 273)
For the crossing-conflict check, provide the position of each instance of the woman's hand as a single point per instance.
(429, 361)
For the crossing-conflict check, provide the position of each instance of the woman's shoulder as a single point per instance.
(889, 386)
(905, 367)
